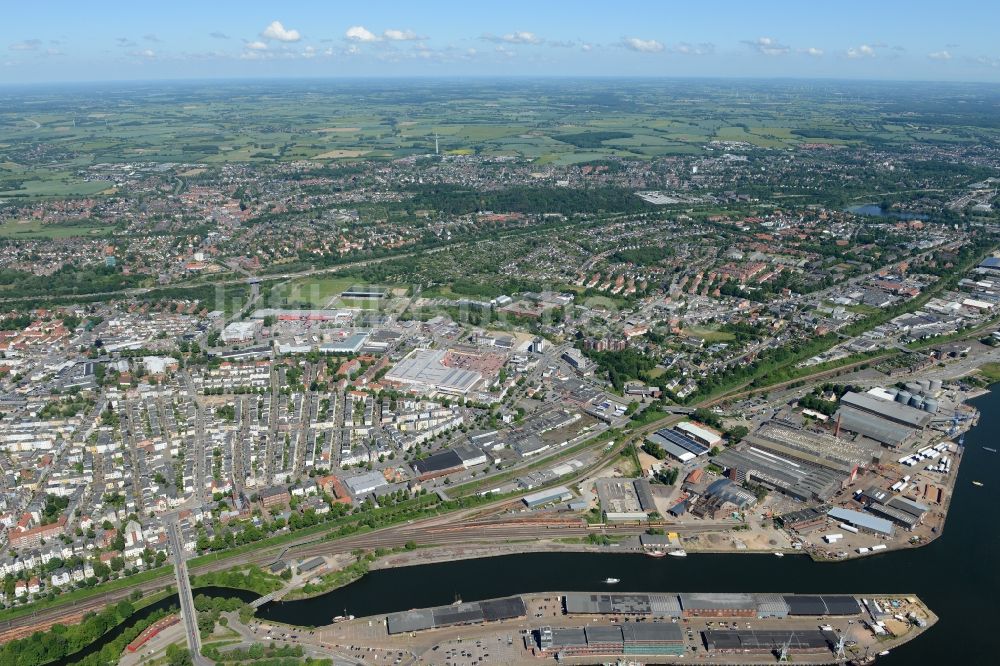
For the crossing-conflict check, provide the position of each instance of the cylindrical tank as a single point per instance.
(925, 384)
(913, 387)
(935, 385)
(916, 401)
(903, 397)
(931, 405)
(892, 390)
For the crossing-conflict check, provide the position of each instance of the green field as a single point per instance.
(991, 371)
(311, 292)
(709, 335)
(37, 229)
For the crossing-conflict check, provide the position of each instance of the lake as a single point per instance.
(875, 210)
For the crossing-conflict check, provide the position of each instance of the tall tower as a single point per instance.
(436, 147)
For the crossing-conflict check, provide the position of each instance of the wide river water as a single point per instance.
(956, 575)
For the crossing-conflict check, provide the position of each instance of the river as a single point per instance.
(954, 575)
(145, 612)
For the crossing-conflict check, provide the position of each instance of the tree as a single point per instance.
(178, 656)
(737, 433)
(124, 609)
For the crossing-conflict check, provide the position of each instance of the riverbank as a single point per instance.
(951, 574)
(514, 635)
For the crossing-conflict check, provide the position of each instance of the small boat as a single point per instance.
(986, 448)
(778, 553)
(680, 552)
(978, 483)
(656, 553)
(611, 581)
(883, 653)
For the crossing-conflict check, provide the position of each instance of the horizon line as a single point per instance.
(493, 77)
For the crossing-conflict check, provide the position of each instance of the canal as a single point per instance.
(956, 575)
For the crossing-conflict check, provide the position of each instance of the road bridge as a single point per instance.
(188, 613)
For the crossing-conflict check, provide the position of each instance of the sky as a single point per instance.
(107, 40)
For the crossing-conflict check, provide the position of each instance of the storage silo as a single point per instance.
(903, 397)
(935, 385)
(916, 401)
(931, 405)
(913, 387)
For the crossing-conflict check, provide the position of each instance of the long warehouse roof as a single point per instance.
(889, 409)
(865, 520)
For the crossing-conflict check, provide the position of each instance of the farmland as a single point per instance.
(558, 123)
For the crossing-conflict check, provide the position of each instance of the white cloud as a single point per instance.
(586, 47)
(505, 51)
(148, 54)
(939, 55)
(522, 37)
(278, 32)
(519, 37)
(987, 61)
(359, 33)
(400, 35)
(684, 48)
(768, 46)
(642, 45)
(256, 46)
(813, 51)
(352, 50)
(26, 45)
(863, 51)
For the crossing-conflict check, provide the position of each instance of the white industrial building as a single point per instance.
(240, 331)
(701, 435)
(424, 370)
(363, 484)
